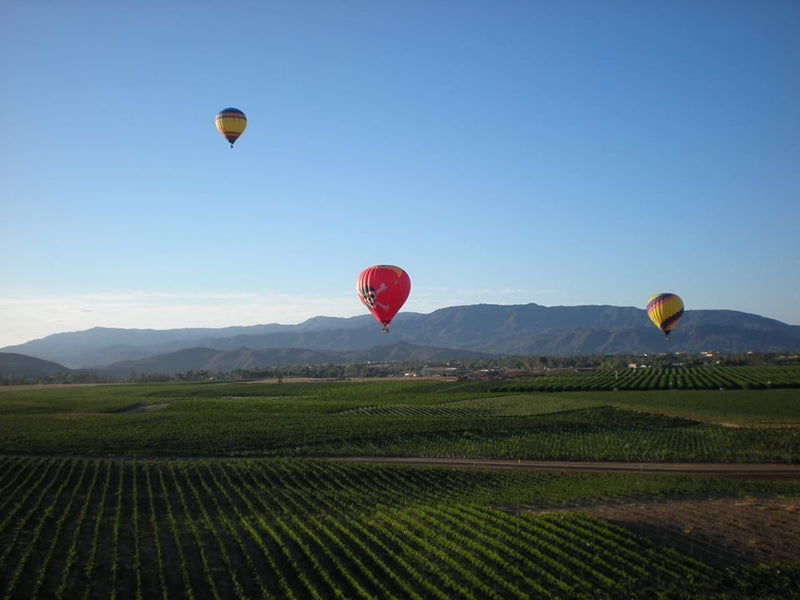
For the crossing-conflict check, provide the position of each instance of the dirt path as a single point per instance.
(749, 470)
(771, 470)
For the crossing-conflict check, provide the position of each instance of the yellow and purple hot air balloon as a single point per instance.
(231, 123)
(665, 310)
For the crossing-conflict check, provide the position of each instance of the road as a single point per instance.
(769, 470)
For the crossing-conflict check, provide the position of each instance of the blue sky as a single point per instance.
(508, 152)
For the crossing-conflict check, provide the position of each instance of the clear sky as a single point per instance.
(507, 152)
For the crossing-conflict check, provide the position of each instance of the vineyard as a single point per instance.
(664, 378)
(401, 418)
(214, 491)
(246, 528)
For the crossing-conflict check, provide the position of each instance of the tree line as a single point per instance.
(505, 367)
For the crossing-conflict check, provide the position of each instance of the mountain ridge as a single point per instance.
(226, 361)
(484, 328)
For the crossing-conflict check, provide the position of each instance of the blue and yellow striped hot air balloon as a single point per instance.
(231, 123)
(665, 310)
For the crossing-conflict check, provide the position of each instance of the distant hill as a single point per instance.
(225, 361)
(14, 365)
(528, 329)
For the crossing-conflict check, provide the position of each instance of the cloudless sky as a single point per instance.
(562, 153)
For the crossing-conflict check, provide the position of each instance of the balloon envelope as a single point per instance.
(665, 310)
(383, 289)
(231, 123)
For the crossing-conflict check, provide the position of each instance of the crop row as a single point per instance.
(447, 430)
(662, 378)
(437, 411)
(84, 528)
(601, 433)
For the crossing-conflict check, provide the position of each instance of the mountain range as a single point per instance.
(447, 333)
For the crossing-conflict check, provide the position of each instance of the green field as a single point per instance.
(218, 490)
(400, 418)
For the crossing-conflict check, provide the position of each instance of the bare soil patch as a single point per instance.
(721, 532)
(142, 408)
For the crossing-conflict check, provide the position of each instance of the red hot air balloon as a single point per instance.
(383, 289)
